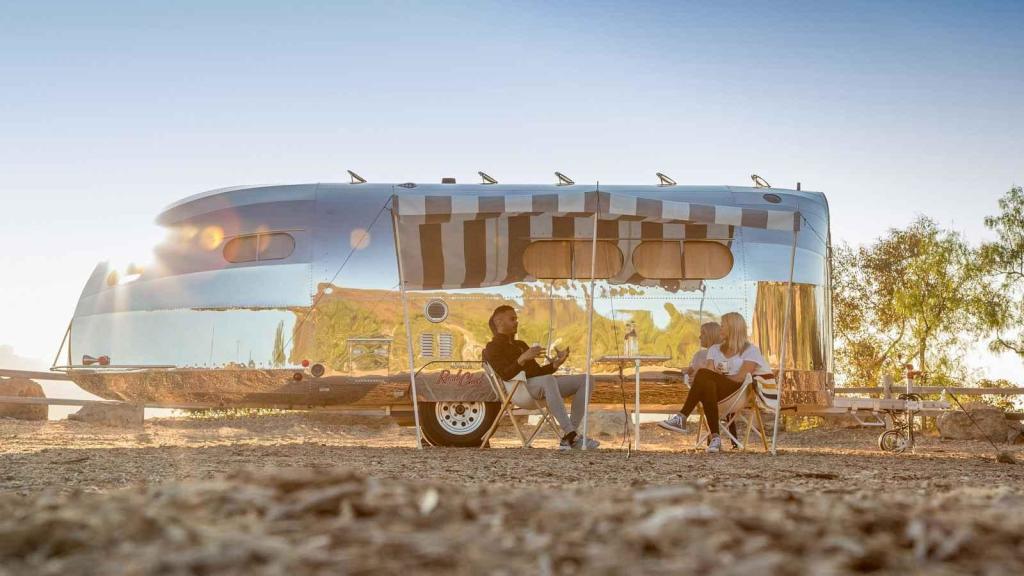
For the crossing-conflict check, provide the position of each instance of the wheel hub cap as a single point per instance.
(460, 418)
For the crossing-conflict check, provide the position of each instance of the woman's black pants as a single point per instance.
(708, 389)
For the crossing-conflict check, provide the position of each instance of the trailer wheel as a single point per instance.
(457, 423)
(894, 441)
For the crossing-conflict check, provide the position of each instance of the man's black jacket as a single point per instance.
(501, 353)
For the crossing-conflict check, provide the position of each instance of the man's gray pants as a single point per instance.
(553, 388)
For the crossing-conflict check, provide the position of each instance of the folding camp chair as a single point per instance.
(516, 399)
(740, 407)
(766, 399)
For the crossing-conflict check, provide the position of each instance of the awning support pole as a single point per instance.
(551, 315)
(67, 334)
(590, 317)
(408, 330)
(781, 379)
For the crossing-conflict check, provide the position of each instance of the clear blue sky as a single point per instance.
(109, 111)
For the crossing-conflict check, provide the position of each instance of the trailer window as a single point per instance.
(706, 260)
(608, 262)
(259, 247)
(692, 260)
(549, 259)
(276, 246)
(659, 260)
(565, 259)
(241, 249)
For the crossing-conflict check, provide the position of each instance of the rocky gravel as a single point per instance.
(290, 494)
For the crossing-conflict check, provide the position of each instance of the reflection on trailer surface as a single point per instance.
(257, 289)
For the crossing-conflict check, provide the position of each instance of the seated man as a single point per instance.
(508, 357)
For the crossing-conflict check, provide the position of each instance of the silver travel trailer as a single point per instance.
(290, 295)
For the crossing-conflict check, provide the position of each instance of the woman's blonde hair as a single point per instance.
(713, 330)
(734, 337)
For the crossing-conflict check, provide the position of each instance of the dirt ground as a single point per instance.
(300, 494)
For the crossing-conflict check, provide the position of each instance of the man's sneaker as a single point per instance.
(564, 445)
(591, 443)
(715, 445)
(676, 424)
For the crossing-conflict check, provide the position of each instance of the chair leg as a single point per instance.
(540, 426)
(750, 427)
(494, 425)
(519, 429)
(700, 430)
(554, 427)
(760, 425)
(506, 408)
(726, 424)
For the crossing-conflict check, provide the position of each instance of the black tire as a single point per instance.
(463, 429)
(895, 441)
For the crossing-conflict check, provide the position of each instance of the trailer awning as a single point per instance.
(472, 241)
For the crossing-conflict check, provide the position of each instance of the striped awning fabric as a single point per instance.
(464, 241)
(606, 205)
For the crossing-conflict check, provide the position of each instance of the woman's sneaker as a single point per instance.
(715, 445)
(676, 424)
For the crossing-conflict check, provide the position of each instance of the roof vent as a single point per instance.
(447, 180)
(356, 178)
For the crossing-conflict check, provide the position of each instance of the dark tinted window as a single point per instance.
(259, 247)
(276, 246)
(241, 249)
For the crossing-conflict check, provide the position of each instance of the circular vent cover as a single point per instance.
(773, 198)
(436, 310)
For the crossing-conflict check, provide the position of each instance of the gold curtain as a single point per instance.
(807, 380)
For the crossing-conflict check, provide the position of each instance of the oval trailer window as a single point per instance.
(241, 249)
(690, 260)
(259, 247)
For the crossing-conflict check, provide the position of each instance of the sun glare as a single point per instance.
(211, 237)
(359, 238)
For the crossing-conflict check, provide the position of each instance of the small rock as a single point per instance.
(116, 415)
(428, 502)
(24, 388)
(1014, 433)
(1005, 458)
(957, 425)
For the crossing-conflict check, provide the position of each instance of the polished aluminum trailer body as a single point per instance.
(254, 282)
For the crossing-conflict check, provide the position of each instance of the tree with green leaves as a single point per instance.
(906, 298)
(1001, 307)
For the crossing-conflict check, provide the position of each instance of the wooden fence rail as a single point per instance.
(897, 390)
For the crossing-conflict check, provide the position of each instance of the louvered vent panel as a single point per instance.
(445, 345)
(426, 345)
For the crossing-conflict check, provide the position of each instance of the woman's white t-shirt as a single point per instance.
(732, 365)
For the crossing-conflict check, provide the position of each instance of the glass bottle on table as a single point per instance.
(631, 345)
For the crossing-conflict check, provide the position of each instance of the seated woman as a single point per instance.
(710, 334)
(728, 365)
